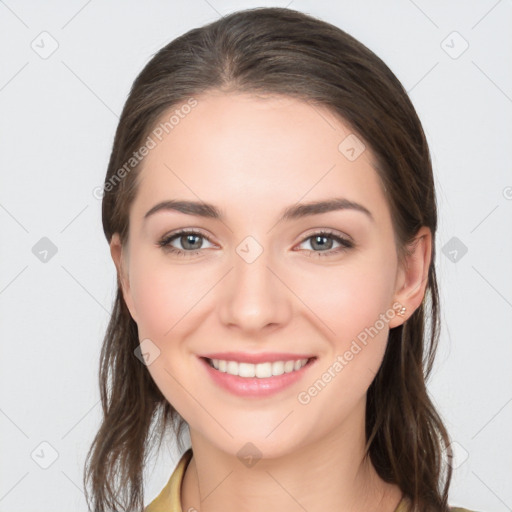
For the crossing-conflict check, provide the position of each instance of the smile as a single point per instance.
(260, 370)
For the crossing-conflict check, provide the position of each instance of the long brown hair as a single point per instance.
(285, 52)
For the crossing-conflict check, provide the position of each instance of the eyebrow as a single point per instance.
(207, 210)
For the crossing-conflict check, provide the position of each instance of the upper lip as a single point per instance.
(264, 357)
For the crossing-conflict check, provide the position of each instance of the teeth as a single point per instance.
(261, 370)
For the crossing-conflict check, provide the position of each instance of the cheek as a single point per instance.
(347, 298)
(352, 306)
(165, 296)
(167, 302)
(153, 302)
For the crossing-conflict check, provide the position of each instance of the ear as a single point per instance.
(118, 256)
(412, 277)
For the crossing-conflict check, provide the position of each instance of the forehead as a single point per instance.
(250, 153)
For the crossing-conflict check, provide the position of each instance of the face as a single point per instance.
(317, 284)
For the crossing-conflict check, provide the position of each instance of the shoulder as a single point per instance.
(169, 499)
(405, 506)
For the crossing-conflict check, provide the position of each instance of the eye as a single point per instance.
(324, 241)
(191, 241)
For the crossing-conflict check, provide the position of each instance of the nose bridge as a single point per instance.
(255, 297)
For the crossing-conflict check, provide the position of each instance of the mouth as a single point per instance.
(256, 380)
(263, 370)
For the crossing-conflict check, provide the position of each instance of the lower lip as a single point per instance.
(254, 386)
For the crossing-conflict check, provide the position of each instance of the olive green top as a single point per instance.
(169, 499)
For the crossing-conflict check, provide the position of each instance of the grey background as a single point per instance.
(57, 121)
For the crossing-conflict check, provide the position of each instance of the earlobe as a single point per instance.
(116, 251)
(412, 278)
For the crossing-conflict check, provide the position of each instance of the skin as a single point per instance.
(252, 157)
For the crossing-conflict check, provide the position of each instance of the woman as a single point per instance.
(270, 209)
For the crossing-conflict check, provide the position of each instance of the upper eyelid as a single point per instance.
(175, 235)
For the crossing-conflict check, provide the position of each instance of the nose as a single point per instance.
(254, 296)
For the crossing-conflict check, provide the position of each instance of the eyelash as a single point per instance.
(345, 243)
